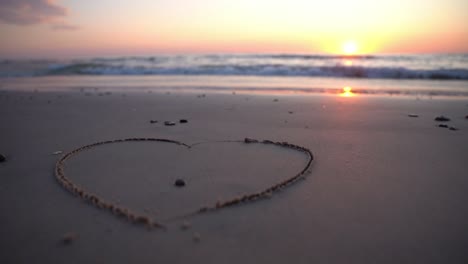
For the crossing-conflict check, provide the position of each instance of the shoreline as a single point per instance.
(260, 85)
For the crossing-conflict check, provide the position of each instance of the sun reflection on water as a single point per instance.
(348, 62)
(347, 92)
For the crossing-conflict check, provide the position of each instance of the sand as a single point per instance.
(384, 187)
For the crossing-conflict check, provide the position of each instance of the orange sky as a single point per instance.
(69, 28)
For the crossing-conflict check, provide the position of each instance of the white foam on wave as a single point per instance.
(434, 67)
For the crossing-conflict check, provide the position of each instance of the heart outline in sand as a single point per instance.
(152, 223)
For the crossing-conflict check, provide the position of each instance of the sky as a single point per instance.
(87, 28)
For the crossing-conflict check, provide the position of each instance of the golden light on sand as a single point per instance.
(347, 92)
(350, 47)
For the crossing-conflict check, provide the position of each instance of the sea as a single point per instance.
(409, 74)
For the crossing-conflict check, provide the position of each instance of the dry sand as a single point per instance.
(384, 187)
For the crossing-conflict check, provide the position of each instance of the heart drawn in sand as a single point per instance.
(148, 221)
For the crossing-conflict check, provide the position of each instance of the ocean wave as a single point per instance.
(264, 70)
(433, 67)
(317, 57)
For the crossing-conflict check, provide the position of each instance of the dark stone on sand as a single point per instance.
(453, 128)
(413, 115)
(179, 183)
(442, 125)
(169, 123)
(2, 158)
(466, 117)
(442, 119)
(153, 121)
(183, 121)
(250, 140)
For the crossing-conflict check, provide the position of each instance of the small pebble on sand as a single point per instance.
(250, 140)
(442, 118)
(169, 123)
(196, 237)
(413, 115)
(2, 158)
(183, 121)
(179, 183)
(69, 237)
(185, 225)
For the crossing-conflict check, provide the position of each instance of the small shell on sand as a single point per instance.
(69, 237)
(57, 152)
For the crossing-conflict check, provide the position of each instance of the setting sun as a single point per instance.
(73, 28)
(350, 47)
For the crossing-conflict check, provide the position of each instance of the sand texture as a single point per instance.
(386, 185)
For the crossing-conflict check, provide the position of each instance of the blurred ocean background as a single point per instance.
(445, 75)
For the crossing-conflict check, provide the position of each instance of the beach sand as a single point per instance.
(383, 187)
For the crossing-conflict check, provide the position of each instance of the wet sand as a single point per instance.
(384, 187)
